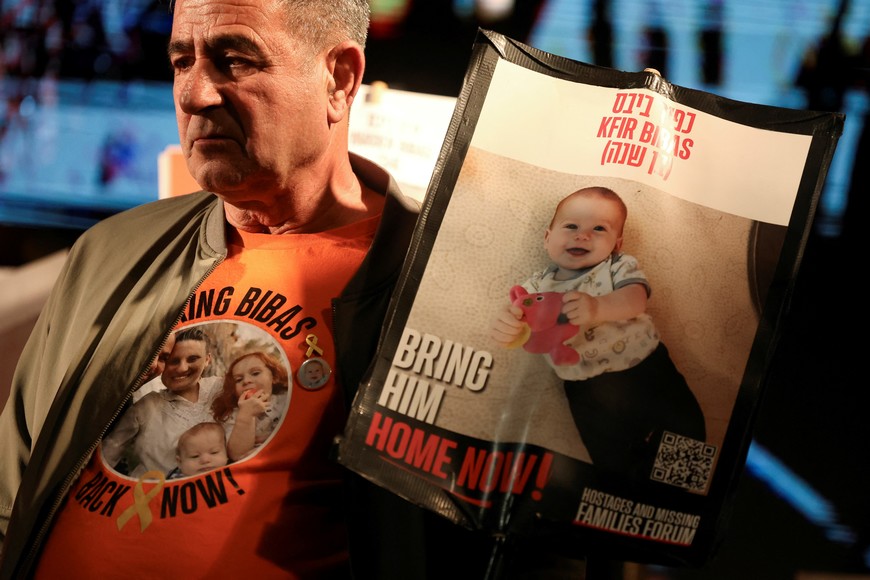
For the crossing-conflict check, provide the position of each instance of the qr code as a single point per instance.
(683, 462)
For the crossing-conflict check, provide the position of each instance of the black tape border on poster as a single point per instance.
(825, 129)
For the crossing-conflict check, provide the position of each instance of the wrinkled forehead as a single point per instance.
(205, 20)
(224, 12)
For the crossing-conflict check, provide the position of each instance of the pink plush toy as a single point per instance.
(548, 328)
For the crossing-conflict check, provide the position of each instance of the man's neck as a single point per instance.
(290, 214)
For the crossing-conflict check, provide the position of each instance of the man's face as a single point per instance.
(185, 366)
(251, 103)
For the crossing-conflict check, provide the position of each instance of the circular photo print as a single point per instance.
(182, 420)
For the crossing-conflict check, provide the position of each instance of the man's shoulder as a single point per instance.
(210, 384)
(137, 233)
(379, 179)
(170, 209)
(151, 401)
(153, 218)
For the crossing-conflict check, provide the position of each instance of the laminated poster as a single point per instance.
(569, 192)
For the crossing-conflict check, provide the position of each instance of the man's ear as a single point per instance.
(345, 66)
(618, 246)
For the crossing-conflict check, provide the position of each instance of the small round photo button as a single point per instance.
(314, 373)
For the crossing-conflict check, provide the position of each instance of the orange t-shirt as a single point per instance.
(276, 511)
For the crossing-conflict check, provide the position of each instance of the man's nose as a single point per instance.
(200, 88)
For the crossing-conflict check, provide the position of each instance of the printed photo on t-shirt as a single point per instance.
(216, 394)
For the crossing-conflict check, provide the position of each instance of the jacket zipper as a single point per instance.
(36, 545)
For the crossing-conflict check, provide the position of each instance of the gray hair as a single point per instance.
(321, 22)
(325, 22)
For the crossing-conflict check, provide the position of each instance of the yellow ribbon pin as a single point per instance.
(311, 341)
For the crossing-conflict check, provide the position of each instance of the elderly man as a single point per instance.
(292, 236)
(294, 241)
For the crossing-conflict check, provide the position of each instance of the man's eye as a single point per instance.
(181, 64)
(236, 64)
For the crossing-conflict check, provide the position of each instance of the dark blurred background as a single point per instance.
(86, 107)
